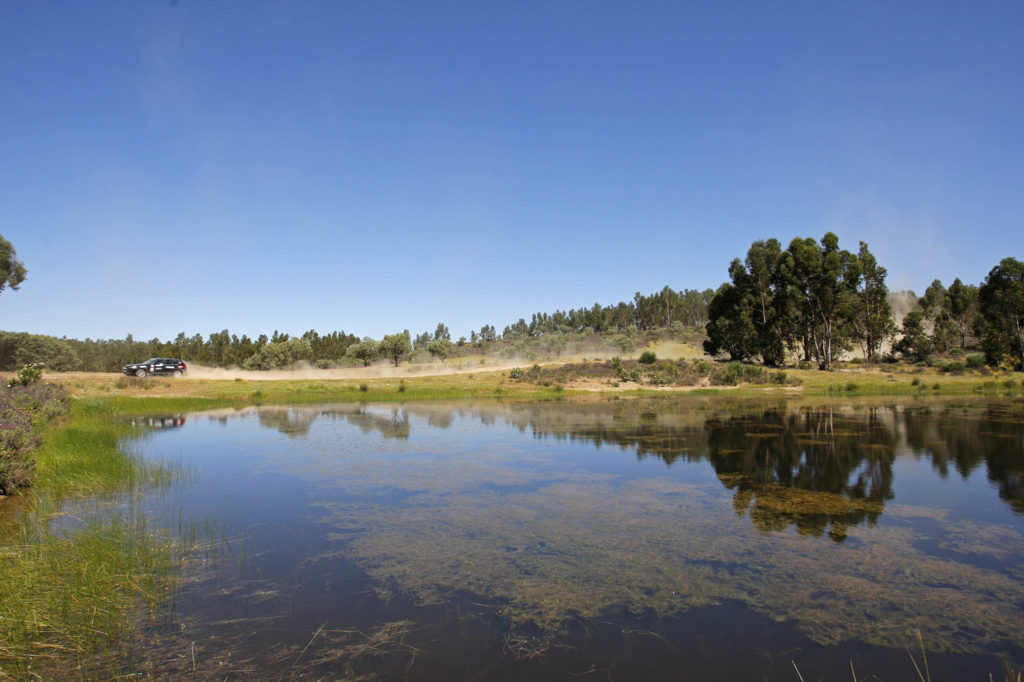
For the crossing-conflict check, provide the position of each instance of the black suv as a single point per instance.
(172, 366)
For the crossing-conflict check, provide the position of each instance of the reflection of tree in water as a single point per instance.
(964, 437)
(395, 425)
(296, 422)
(819, 469)
(291, 422)
(814, 469)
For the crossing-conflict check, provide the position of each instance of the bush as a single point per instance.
(975, 360)
(952, 366)
(24, 410)
(648, 358)
(736, 372)
(516, 373)
(27, 375)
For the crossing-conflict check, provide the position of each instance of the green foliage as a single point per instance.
(279, 355)
(647, 358)
(952, 366)
(914, 344)
(440, 348)
(24, 409)
(1000, 321)
(394, 346)
(736, 372)
(18, 349)
(975, 360)
(365, 351)
(516, 373)
(12, 270)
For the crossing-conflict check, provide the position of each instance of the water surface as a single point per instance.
(639, 539)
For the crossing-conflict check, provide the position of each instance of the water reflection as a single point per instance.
(819, 469)
(522, 526)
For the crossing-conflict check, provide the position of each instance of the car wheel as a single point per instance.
(140, 373)
(177, 374)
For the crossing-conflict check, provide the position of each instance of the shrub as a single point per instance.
(952, 366)
(27, 375)
(975, 360)
(857, 361)
(363, 388)
(736, 372)
(24, 409)
(516, 373)
(648, 358)
(401, 386)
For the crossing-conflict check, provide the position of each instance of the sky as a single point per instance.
(377, 166)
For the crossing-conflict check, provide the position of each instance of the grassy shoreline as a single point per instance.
(131, 396)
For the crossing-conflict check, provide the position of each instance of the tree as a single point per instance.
(442, 333)
(963, 307)
(421, 341)
(730, 327)
(1001, 311)
(394, 346)
(762, 282)
(935, 305)
(822, 281)
(441, 348)
(872, 318)
(365, 351)
(914, 345)
(12, 270)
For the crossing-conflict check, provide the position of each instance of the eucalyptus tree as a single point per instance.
(1001, 311)
(935, 305)
(730, 327)
(872, 321)
(963, 307)
(822, 286)
(763, 283)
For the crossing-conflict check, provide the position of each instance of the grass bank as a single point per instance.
(79, 563)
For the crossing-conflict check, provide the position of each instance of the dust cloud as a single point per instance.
(381, 369)
(902, 302)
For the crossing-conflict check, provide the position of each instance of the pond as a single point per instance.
(633, 539)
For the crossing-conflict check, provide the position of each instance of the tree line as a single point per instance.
(817, 302)
(224, 349)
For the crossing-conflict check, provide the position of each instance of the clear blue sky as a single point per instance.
(374, 166)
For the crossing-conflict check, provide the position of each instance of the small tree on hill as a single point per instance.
(364, 351)
(394, 346)
(441, 348)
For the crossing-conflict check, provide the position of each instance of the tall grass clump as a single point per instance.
(69, 598)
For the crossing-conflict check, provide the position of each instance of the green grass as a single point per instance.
(74, 579)
(69, 600)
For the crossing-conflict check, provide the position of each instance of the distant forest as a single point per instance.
(811, 303)
(666, 308)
